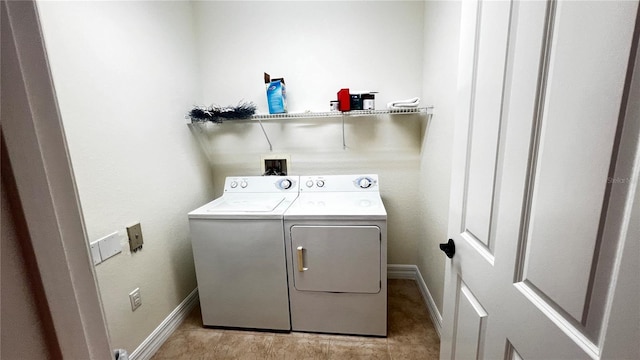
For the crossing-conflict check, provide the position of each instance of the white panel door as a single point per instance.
(543, 179)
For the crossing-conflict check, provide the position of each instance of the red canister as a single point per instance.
(344, 99)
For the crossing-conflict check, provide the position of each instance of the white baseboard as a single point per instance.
(154, 341)
(399, 271)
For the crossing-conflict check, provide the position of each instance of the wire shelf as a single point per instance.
(343, 114)
(307, 115)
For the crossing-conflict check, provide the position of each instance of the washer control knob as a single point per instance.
(244, 184)
(309, 183)
(364, 183)
(320, 183)
(234, 184)
(285, 184)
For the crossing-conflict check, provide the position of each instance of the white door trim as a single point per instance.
(37, 150)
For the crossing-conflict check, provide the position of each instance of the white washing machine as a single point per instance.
(336, 243)
(239, 255)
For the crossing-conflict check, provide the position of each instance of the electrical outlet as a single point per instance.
(135, 299)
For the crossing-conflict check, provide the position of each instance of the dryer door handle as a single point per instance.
(301, 267)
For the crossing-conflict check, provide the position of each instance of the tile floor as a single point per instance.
(410, 336)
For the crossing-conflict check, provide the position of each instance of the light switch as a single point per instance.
(109, 246)
(95, 252)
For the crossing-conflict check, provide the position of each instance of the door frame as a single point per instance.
(36, 145)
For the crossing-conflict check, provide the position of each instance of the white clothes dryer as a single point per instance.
(239, 255)
(336, 243)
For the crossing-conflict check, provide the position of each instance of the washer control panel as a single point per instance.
(337, 183)
(262, 184)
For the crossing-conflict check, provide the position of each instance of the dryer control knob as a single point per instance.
(244, 184)
(364, 183)
(310, 183)
(234, 184)
(285, 184)
(320, 183)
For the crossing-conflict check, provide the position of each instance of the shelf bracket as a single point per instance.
(344, 143)
(265, 135)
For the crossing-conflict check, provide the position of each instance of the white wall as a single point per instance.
(319, 47)
(125, 74)
(441, 32)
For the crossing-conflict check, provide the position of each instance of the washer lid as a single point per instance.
(254, 203)
(245, 206)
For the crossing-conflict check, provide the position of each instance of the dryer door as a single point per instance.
(336, 258)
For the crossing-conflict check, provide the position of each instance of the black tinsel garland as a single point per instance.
(218, 114)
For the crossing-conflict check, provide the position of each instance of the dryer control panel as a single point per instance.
(339, 183)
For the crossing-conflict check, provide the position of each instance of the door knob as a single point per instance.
(449, 248)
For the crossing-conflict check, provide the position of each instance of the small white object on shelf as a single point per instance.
(404, 104)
